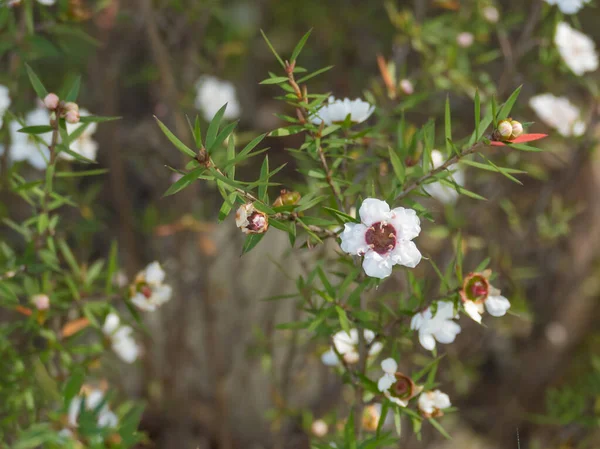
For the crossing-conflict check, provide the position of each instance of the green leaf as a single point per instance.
(222, 136)
(439, 428)
(494, 112)
(213, 127)
(197, 133)
(73, 174)
(490, 168)
(272, 48)
(70, 259)
(477, 114)
(523, 147)
(39, 88)
(275, 80)
(74, 91)
(508, 105)
(343, 319)
(113, 264)
(299, 46)
(230, 171)
(73, 385)
(175, 141)
(448, 126)
(251, 241)
(264, 176)
(64, 149)
(227, 206)
(38, 129)
(313, 74)
(397, 165)
(286, 131)
(184, 181)
(97, 119)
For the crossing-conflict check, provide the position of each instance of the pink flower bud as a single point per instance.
(51, 101)
(71, 107)
(41, 301)
(72, 117)
(407, 87)
(465, 39)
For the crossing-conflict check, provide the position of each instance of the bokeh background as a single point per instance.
(216, 372)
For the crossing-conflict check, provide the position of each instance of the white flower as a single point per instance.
(465, 39)
(407, 86)
(576, 49)
(442, 192)
(106, 418)
(559, 113)
(383, 237)
(212, 94)
(431, 403)
(120, 337)
(23, 146)
(148, 291)
(439, 327)
(84, 144)
(46, 2)
(568, 6)
(389, 367)
(319, 428)
(491, 14)
(336, 111)
(4, 102)
(347, 346)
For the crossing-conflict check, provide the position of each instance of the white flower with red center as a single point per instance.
(397, 387)
(336, 111)
(120, 338)
(148, 290)
(383, 237)
(477, 292)
(250, 220)
(440, 326)
(568, 6)
(576, 49)
(442, 192)
(559, 113)
(346, 346)
(431, 403)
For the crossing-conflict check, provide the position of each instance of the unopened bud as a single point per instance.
(406, 86)
(51, 101)
(505, 129)
(287, 198)
(41, 301)
(72, 117)
(517, 129)
(250, 220)
(71, 106)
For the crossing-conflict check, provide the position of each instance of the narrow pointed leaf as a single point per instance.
(175, 141)
(299, 46)
(213, 127)
(37, 85)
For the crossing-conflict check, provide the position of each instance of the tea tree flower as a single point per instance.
(397, 387)
(568, 6)
(577, 50)
(491, 14)
(431, 403)
(438, 327)
(24, 147)
(465, 39)
(4, 102)
(558, 113)
(319, 428)
(83, 144)
(406, 86)
(384, 237)
(212, 93)
(250, 220)
(347, 346)
(336, 111)
(477, 292)
(51, 101)
(92, 399)
(120, 338)
(41, 301)
(148, 291)
(441, 192)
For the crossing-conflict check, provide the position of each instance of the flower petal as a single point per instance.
(427, 341)
(406, 222)
(330, 358)
(406, 253)
(373, 210)
(353, 239)
(377, 266)
(497, 305)
(385, 382)
(389, 365)
(447, 333)
(473, 310)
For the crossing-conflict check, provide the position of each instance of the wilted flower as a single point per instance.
(568, 6)
(559, 113)
(92, 399)
(120, 338)
(431, 403)
(477, 292)
(347, 346)
(576, 49)
(336, 111)
(83, 144)
(397, 387)
(4, 102)
(465, 39)
(384, 237)
(148, 291)
(212, 93)
(442, 192)
(250, 220)
(438, 327)
(25, 147)
(491, 14)
(41, 301)
(319, 428)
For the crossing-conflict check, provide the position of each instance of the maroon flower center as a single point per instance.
(479, 289)
(401, 388)
(146, 291)
(256, 222)
(381, 237)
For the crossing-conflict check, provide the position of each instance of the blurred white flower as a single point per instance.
(347, 346)
(83, 144)
(576, 49)
(442, 192)
(319, 428)
(4, 102)
(148, 290)
(491, 14)
(568, 6)
(465, 39)
(120, 337)
(41, 301)
(431, 403)
(406, 86)
(212, 93)
(24, 147)
(439, 327)
(389, 367)
(46, 2)
(384, 237)
(106, 418)
(559, 113)
(336, 111)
